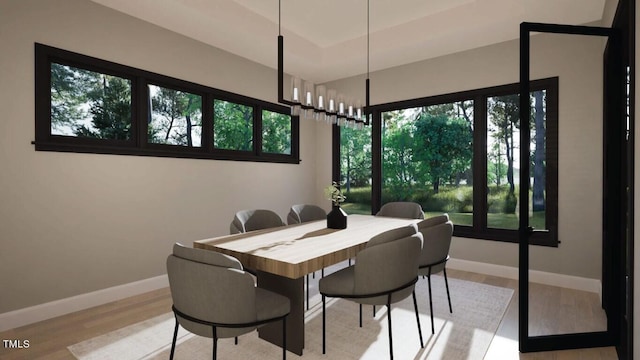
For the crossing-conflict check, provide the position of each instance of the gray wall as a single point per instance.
(74, 223)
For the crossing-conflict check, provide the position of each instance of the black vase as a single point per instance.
(337, 218)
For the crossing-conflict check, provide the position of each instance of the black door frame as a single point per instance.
(561, 341)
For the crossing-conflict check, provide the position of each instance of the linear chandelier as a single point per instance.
(317, 102)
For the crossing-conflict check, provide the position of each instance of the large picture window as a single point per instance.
(427, 154)
(84, 104)
(459, 154)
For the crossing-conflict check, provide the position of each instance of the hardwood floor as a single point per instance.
(49, 339)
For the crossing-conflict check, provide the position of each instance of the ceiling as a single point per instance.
(327, 40)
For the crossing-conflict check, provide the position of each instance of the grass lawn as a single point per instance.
(498, 221)
(356, 208)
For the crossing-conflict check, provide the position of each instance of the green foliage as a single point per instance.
(448, 199)
(400, 168)
(356, 208)
(110, 109)
(276, 133)
(444, 145)
(360, 195)
(504, 118)
(89, 104)
(334, 193)
(67, 96)
(501, 200)
(355, 157)
(233, 126)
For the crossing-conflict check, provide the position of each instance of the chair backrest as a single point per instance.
(437, 233)
(402, 209)
(249, 220)
(211, 287)
(388, 265)
(434, 220)
(304, 212)
(392, 235)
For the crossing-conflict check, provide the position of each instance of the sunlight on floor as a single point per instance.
(502, 348)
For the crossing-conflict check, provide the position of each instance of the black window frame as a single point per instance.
(479, 229)
(138, 143)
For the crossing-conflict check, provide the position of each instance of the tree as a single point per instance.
(355, 154)
(89, 104)
(233, 126)
(444, 145)
(110, 107)
(67, 96)
(176, 117)
(505, 116)
(464, 109)
(276, 133)
(400, 168)
(496, 169)
(539, 172)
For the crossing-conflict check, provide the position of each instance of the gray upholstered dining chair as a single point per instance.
(402, 209)
(213, 297)
(302, 213)
(385, 272)
(436, 232)
(305, 212)
(249, 220)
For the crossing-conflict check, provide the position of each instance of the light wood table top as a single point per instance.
(296, 250)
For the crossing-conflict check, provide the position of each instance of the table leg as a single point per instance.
(294, 290)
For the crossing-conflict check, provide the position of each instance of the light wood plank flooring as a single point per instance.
(49, 339)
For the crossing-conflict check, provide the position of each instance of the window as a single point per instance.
(459, 154)
(89, 104)
(503, 157)
(84, 104)
(427, 154)
(355, 165)
(276, 133)
(232, 126)
(175, 117)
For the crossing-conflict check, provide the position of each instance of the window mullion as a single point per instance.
(207, 122)
(480, 163)
(257, 130)
(140, 121)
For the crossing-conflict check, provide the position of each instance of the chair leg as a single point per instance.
(446, 283)
(308, 291)
(215, 343)
(173, 343)
(236, 340)
(323, 325)
(374, 311)
(415, 306)
(433, 329)
(360, 315)
(389, 322)
(284, 338)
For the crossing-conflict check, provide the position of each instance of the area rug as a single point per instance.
(465, 334)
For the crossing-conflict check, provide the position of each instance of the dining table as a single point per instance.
(282, 256)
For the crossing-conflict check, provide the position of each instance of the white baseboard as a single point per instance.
(540, 277)
(30, 315)
(33, 314)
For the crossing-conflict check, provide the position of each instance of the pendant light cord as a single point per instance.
(280, 17)
(367, 39)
